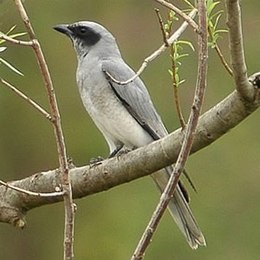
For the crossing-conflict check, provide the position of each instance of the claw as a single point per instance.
(96, 161)
(116, 151)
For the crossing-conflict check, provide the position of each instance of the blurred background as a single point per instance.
(109, 224)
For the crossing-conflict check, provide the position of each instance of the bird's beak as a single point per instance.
(63, 28)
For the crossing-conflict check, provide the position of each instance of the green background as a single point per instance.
(109, 224)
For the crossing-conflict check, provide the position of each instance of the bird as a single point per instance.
(125, 114)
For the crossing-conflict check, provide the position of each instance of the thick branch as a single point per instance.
(237, 49)
(86, 180)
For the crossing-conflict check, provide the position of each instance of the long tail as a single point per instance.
(181, 212)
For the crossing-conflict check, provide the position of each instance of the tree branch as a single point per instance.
(59, 137)
(110, 173)
(31, 193)
(14, 41)
(174, 37)
(237, 49)
(185, 17)
(27, 99)
(188, 133)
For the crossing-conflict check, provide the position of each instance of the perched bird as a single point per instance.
(124, 114)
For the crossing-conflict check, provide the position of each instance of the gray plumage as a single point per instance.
(124, 114)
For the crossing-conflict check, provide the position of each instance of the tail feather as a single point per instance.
(181, 212)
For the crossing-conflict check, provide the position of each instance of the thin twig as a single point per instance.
(174, 81)
(188, 137)
(31, 193)
(156, 53)
(14, 41)
(27, 99)
(223, 60)
(175, 89)
(164, 34)
(63, 162)
(185, 17)
(221, 56)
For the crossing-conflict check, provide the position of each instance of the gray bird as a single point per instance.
(124, 114)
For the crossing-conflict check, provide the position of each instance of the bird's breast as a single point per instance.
(108, 112)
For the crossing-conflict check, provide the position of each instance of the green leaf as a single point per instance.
(211, 5)
(220, 12)
(17, 34)
(221, 31)
(11, 67)
(177, 79)
(182, 56)
(166, 27)
(11, 29)
(12, 36)
(2, 49)
(6, 63)
(182, 81)
(186, 43)
(189, 4)
(212, 44)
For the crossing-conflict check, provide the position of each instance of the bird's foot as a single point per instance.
(123, 151)
(119, 151)
(70, 163)
(95, 161)
(116, 151)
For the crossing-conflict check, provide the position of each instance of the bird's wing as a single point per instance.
(135, 97)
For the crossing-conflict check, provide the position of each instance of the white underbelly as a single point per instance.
(112, 118)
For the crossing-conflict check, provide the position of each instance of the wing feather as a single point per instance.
(135, 97)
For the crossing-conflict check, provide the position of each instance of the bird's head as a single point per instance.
(89, 37)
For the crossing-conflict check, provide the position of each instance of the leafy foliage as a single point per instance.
(213, 22)
(3, 48)
(176, 50)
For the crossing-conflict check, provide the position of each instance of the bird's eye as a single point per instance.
(83, 30)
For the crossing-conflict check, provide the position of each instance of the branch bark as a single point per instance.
(59, 137)
(237, 49)
(88, 180)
